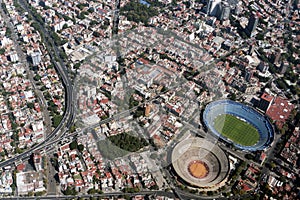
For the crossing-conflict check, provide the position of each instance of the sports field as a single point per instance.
(238, 131)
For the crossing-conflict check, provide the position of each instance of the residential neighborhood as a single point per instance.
(120, 99)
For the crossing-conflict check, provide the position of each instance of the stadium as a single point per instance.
(239, 125)
(200, 163)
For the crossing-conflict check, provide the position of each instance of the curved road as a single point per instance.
(69, 114)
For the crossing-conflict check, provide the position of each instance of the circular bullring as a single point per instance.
(239, 125)
(199, 162)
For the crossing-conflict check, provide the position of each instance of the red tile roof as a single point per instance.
(21, 167)
(267, 97)
(280, 110)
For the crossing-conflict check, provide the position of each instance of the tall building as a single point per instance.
(37, 160)
(192, 3)
(296, 4)
(224, 11)
(252, 24)
(213, 7)
(277, 56)
(251, 49)
(36, 58)
(248, 75)
(147, 110)
(263, 67)
(238, 8)
(265, 101)
(283, 67)
(208, 7)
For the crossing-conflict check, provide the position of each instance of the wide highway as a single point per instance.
(70, 99)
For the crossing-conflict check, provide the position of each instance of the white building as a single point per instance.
(29, 182)
(13, 57)
(36, 58)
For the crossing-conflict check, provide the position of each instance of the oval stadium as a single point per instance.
(200, 163)
(238, 124)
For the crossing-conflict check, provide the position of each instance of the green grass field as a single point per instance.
(236, 130)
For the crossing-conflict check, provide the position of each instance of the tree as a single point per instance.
(54, 162)
(62, 54)
(37, 77)
(281, 84)
(282, 179)
(249, 156)
(13, 187)
(40, 193)
(233, 97)
(139, 112)
(74, 145)
(30, 193)
(56, 120)
(43, 88)
(47, 95)
(153, 156)
(30, 105)
(132, 102)
(70, 191)
(272, 165)
(72, 129)
(94, 22)
(65, 26)
(80, 147)
(2, 51)
(81, 15)
(81, 6)
(14, 126)
(154, 187)
(91, 10)
(8, 32)
(91, 191)
(260, 36)
(77, 65)
(12, 143)
(164, 89)
(137, 12)
(131, 190)
(128, 142)
(56, 39)
(96, 34)
(4, 8)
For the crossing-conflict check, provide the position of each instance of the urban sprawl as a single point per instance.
(155, 99)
